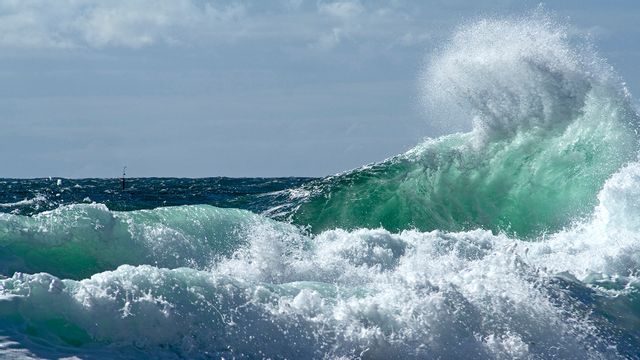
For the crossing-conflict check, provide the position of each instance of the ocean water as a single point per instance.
(517, 239)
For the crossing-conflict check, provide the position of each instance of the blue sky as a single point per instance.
(200, 88)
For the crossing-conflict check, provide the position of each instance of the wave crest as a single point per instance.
(551, 123)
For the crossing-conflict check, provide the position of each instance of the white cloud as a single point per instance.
(341, 9)
(104, 24)
(32, 24)
(348, 14)
(329, 40)
(120, 23)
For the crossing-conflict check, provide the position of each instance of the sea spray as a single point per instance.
(551, 123)
(367, 293)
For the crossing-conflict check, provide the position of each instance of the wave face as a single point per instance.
(550, 124)
(518, 239)
(76, 241)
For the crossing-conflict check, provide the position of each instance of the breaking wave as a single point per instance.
(518, 239)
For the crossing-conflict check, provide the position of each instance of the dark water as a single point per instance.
(31, 196)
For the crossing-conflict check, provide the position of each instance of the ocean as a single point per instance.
(519, 238)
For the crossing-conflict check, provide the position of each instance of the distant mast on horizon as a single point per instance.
(124, 173)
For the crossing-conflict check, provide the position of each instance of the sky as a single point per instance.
(198, 88)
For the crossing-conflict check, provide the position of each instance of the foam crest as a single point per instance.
(605, 245)
(78, 240)
(552, 124)
(367, 293)
(35, 200)
(516, 74)
(619, 207)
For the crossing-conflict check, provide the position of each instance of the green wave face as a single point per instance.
(79, 240)
(550, 125)
(534, 182)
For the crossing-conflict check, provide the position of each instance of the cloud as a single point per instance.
(118, 23)
(329, 40)
(135, 24)
(341, 9)
(346, 17)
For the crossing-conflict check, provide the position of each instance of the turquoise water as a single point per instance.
(517, 239)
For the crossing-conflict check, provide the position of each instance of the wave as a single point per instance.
(551, 122)
(35, 200)
(366, 293)
(76, 241)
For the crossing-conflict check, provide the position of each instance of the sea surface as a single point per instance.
(519, 238)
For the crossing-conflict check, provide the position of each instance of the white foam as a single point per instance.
(607, 244)
(366, 292)
(515, 74)
(37, 199)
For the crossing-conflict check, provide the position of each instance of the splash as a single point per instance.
(551, 122)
